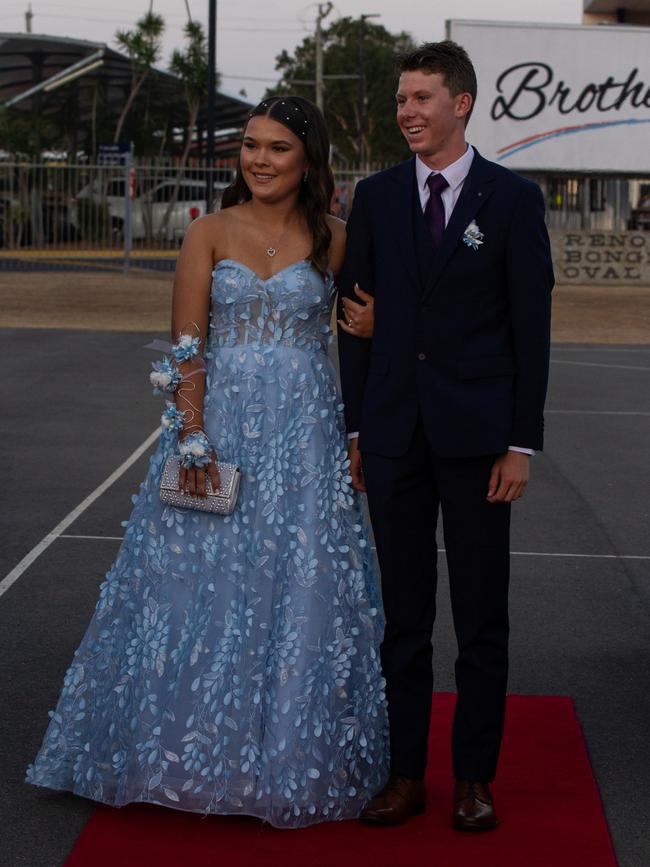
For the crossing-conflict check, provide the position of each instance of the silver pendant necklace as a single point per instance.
(272, 249)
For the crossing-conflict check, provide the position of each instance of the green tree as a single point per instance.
(191, 66)
(345, 43)
(24, 134)
(143, 46)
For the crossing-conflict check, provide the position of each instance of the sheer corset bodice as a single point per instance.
(290, 309)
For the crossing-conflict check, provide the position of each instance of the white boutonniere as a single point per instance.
(472, 236)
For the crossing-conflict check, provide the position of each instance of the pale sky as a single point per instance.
(251, 34)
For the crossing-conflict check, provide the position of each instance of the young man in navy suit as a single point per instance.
(444, 407)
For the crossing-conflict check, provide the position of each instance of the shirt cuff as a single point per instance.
(353, 436)
(523, 451)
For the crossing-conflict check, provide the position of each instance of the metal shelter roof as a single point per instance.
(37, 71)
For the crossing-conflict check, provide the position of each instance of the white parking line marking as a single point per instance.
(45, 543)
(594, 556)
(639, 350)
(597, 364)
(557, 554)
(442, 550)
(101, 538)
(592, 412)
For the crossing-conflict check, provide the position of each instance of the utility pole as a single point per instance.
(212, 82)
(28, 19)
(363, 99)
(324, 10)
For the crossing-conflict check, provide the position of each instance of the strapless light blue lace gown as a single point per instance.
(232, 664)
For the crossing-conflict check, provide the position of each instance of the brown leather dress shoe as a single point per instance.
(400, 799)
(473, 807)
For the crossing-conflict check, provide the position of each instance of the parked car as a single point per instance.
(98, 208)
(190, 203)
(106, 215)
(24, 222)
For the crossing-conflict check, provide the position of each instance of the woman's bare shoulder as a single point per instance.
(214, 230)
(216, 220)
(223, 218)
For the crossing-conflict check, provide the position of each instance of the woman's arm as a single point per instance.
(190, 319)
(359, 318)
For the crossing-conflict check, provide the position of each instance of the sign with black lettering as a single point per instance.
(560, 97)
(601, 258)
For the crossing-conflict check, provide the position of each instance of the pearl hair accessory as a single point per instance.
(296, 122)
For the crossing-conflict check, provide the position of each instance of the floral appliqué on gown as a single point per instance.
(232, 664)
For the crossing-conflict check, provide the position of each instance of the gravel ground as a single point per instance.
(86, 300)
(141, 302)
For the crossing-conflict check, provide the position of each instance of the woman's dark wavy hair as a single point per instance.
(316, 192)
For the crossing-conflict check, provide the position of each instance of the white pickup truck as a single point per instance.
(148, 209)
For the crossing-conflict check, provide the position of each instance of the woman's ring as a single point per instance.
(350, 323)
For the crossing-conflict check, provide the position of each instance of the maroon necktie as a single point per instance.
(434, 211)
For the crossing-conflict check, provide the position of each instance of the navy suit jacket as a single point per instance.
(462, 335)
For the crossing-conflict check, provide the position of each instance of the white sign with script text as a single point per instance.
(558, 97)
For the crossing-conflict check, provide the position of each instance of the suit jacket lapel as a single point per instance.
(477, 188)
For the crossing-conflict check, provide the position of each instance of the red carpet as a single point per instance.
(547, 799)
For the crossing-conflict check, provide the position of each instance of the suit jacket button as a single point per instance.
(421, 356)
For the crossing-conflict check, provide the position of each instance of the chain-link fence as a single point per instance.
(139, 213)
(81, 211)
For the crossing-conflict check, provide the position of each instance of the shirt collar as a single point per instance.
(454, 174)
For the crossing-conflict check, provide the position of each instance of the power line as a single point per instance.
(247, 77)
(324, 10)
(46, 3)
(114, 20)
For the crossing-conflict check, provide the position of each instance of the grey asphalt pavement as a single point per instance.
(77, 404)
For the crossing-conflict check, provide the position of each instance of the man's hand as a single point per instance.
(358, 319)
(509, 478)
(356, 470)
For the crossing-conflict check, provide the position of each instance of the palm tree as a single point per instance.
(191, 66)
(142, 44)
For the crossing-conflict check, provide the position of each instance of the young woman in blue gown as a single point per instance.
(232, 663)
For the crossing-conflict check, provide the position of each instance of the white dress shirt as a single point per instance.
(455, 175)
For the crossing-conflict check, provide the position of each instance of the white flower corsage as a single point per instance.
(187, 347)
(195, 450)
(472, 236)
(172, 418)
(165, 376)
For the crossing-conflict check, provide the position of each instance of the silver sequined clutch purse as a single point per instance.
(221, 502)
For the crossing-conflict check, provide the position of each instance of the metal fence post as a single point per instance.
(129, 192)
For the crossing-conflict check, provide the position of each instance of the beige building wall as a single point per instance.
(601, 258)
